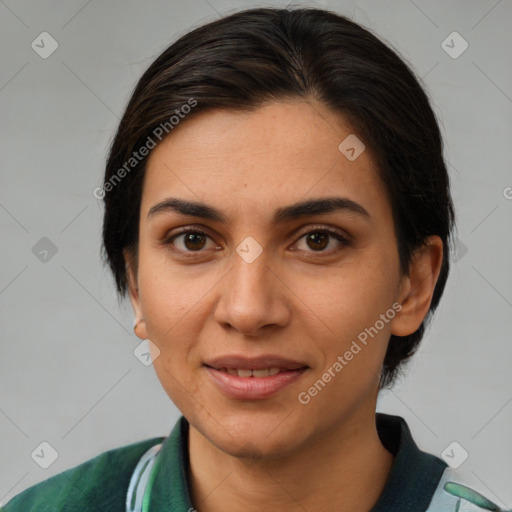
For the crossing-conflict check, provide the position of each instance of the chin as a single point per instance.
(254, 435)
(253, 447)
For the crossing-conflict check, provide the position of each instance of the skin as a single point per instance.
(295, 300)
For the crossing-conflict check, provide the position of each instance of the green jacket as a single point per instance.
(415, 484)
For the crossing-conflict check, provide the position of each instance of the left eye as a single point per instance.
(318, 240)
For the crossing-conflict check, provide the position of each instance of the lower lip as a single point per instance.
(253, 388)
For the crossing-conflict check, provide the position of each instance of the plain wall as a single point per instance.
(68, 375)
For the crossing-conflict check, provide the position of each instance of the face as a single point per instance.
(259, 280)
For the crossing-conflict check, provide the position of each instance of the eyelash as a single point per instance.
(344, 241)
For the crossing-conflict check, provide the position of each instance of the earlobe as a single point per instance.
(417, 288)
(139, 324)
(139, 328)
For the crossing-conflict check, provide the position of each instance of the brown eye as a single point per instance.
(194, 241)
(190, 241)
(319, 240)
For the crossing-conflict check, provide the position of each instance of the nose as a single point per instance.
(253, 298)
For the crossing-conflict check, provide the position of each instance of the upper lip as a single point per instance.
(253, 363)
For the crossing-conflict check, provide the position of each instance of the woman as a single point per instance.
(278, 210)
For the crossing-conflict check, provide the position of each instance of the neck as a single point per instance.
(344, 470)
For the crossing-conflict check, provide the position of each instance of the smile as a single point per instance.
(242, 372)
(242, 378)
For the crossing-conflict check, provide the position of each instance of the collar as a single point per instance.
(411, 483)
(414, 475)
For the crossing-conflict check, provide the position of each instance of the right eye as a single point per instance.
(189, 240)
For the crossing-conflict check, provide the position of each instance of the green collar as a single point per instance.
(413, 479)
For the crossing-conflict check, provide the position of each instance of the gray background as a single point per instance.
(68, 375)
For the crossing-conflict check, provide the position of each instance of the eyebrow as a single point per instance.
(287, 213)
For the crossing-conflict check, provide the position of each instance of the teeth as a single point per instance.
(251, 373)
(260, 373)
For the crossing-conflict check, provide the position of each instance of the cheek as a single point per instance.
(355, 306)
(170, 305)
(353, 298)
(174, 322)
(168, 293)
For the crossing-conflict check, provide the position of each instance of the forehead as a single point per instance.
(281, 151)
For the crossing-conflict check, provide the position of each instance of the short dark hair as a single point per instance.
(254, 56)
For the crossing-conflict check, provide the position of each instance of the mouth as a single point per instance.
(253, 378)
(242, 372)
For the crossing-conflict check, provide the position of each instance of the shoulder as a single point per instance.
(99, 484)
(423, 481)
(458, 491)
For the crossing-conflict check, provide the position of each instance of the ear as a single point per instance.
(416, 289)
(133, 291)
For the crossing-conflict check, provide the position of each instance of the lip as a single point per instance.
(253, 388)
(254, 363)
